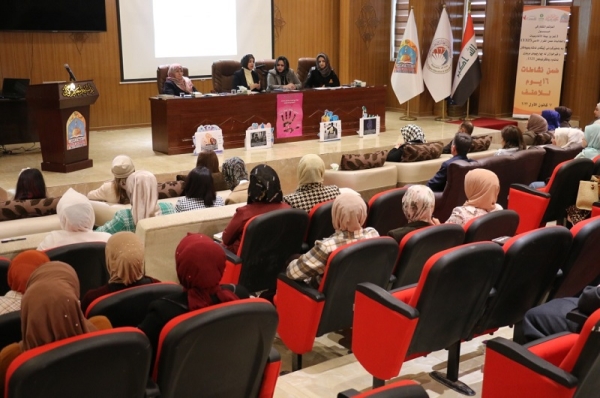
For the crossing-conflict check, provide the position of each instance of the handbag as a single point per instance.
(586, 195)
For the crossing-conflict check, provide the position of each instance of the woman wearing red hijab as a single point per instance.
(199, 263)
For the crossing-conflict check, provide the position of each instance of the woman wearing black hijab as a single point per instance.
(322, 75)
(247, 76)
(281, 77)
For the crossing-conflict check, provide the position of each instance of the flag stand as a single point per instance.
(468, 118)
(443, 118)
(407, 116)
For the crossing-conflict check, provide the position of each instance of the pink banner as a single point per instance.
(289, 115)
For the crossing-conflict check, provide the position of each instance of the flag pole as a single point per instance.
(443, 118)
(408, 116)
(468, 118)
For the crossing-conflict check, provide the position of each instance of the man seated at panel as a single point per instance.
(459, 149)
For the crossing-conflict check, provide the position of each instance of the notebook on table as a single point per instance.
(14, 88)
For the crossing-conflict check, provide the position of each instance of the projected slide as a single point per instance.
(194, 33)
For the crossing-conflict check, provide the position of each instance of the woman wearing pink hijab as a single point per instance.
(481, 188)
(177, 84)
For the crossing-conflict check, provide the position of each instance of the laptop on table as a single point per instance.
(14, 88)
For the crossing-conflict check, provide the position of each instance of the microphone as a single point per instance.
(259, 66)
(71, 75)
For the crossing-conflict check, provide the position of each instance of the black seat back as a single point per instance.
(4, 264)
(267, 243)
(320, 224)
(418, 246)
(587, 367)
(563, 186)
(89, 261)
(368, 260)
(492, 225)
(385, 211)
(10, 328)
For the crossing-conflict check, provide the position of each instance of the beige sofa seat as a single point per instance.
(28, 226)
(31, 242)
(366, 182)
(161, 235)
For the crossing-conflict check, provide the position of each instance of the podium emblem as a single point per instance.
(76, 131)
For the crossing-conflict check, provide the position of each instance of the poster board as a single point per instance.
(205, 140)
(260, 138)
(368, 126)
(330, 131)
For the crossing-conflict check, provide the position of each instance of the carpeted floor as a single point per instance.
(489, 123)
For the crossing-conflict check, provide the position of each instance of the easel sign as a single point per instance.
(260, 138)
(330, 131)
(368, 126)
(208, 140)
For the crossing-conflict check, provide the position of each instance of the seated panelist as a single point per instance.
(322, 75)
(281, 77)
(177, 84)
(247, 76)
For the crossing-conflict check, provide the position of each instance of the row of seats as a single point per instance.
(223, 70)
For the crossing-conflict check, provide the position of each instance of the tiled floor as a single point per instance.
(328, 368)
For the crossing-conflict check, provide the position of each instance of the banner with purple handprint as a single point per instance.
(289, 115)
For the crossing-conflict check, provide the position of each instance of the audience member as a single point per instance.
(551, 317)
(410, 134)
(50, 312)
(565, 115)
(30, 185)
(247, 76)
(19, 271)
(125, 264)
(264, 195)
(114, 191)
(236, 177)
(281, 77)
(590, 142)
(418, 204)
(460, 147)
(481, 188)
(142, 190)
(210, 160)
(553, 119)
(321, 75)
(311, 190)
(566, 137)
(77, 218)
(177, 84)
(200, 263)
(199, 192)
(597, 113)
(466, 127)
(512, 141)
(349, 213)
(537, 130)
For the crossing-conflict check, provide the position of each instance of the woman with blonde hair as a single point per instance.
(114, 191)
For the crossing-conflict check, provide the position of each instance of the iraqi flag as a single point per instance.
(468, 68)
(437, 71)
(407, 76)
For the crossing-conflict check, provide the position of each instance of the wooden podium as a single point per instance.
(60, 113)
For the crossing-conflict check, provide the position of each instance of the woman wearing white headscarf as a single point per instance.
(349, 213)
(565, 137)
(417, 204)
(142, 189)
(311, 190)
(77, 218)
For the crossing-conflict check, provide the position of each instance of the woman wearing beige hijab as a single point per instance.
(76, 217)
(349, 213)
(311, 190)
(50, 312)
(481, 188)
(142, 189)
(125, 264)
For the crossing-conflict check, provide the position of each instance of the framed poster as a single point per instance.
(206, 140)
(368, 126)
(260, 138)
(330, 131)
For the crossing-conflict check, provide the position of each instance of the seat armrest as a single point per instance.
(531, 191)
(348, 393)
(578, 317)
(303, 288)
(152, 390)
(233, 258)
(521, 355)
(401, 288)
(274, 356)
(384, 298)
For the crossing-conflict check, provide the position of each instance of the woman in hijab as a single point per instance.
(565, 115)
(125, 264)
(565, 137)
(19, 271)
(177, 84)
(481, 188)
(142, 189)
(553, 119)
(264, 195)
(409, 134)
(247, 76)
(349, 213)
(114, 191)
(281, 77)
(590, 142)
(537, 131)
(77, 218)
(321, 75)
(236, 178)
(311, 190)
(199, 263)
(50, 312)
(417, 204)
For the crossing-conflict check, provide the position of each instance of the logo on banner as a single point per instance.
(76, 132)
(408, 56)
(439, 59)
